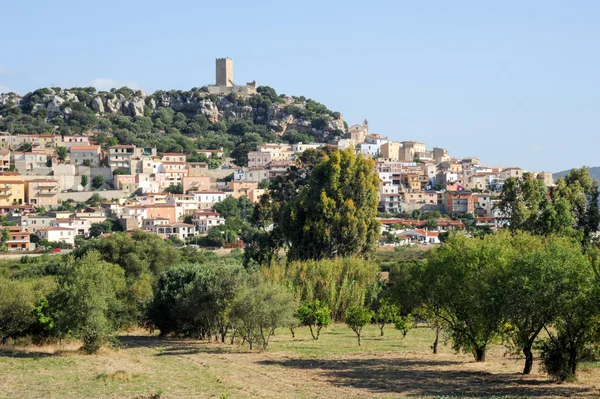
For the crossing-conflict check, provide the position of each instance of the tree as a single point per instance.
(525, 203)
(339, 283)
(576, 327)
(97, 229)
(25, 147)
(404, 324)
(98, 182)
(259, 310)
(84, 181)
(85, 300)
(314, 315)
(193, 299)
(537, 286)
(335, 214)
(461, 279)
(387, 313)
(17, 300)
(62, 153)
(175, 189)
(356, 318)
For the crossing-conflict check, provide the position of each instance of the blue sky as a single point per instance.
(516, 83)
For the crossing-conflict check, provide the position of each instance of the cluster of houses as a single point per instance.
(137, 180)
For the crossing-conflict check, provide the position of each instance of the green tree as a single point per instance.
(98, 182)
(193, 299)
(175, 189)
(17, 300)
(85, 300)
(340, 282)
(62, 153)
(335, 214)
(537, 286)
(461, 278)
(387, 313)
(314, 315)
(525, 203)
(259, 310)
(84, 180)
(356, 318)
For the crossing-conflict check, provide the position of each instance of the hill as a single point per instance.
(594, 172)
(172, 121)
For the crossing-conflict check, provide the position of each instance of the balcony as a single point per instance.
(5, 193)
(47, 192)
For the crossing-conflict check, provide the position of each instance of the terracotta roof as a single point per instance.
(173, 154)
(84, 147)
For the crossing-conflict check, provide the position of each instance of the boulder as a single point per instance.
(55, 104)
(70, 96)
(151, 103)
(136, 106)
(97, 105)
(113, 105)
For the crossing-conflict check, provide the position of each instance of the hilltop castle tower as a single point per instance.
(225, 72)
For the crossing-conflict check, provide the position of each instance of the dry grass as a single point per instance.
(332, 367)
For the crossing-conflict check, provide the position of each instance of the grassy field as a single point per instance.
(332, 367)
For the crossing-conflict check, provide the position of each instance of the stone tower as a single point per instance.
(225, 72)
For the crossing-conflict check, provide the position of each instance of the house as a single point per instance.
(28, 162)
(31, 223)
(195, 183)
(4, 160)
(150, 224)
(70, 141)
(57, 234)
(179, 230)
(12, 188)
(197, 169)
(18, 239)
(161, 211)
(207, 199)
(42, 192)
(211, 153)
(424, 236)
(456, 202)
(205, 220)
(122, 156)
(81, 227)
(78, 154)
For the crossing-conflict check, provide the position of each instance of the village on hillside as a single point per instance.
(138, 188)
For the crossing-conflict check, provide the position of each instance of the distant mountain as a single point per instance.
(594, 172)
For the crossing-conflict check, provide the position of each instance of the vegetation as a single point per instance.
(356, 318)
(314, 315)
(165, 125)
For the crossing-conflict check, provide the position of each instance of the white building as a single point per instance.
(57, 234)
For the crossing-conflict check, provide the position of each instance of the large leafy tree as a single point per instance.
(335, 214)
(538, 284)
(86, 301)
(527, 207)
(463, 280)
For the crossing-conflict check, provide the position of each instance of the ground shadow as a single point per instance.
(172, 346)
(24, 353)
(425, 378)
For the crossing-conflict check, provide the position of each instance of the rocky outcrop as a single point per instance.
(97, 105)
(209, 110)
(134, 103)
(55, 104)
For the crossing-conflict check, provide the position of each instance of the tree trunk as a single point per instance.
(480, 354)
(292, 331)
(358, 335)
(381, 330)
(437, 340)
(573, 361)
(528, 359)
(312, 333)
(250, 343)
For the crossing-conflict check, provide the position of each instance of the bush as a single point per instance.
(555, 359)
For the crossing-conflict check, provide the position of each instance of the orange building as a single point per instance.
(161, 211)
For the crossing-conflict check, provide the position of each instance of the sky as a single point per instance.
(516, 83)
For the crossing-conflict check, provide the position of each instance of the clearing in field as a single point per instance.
(332, 367)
